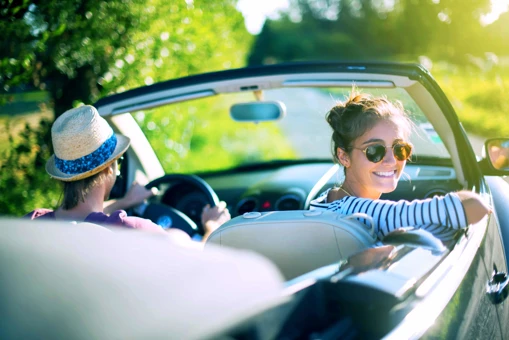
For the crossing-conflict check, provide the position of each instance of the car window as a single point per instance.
(199, 135)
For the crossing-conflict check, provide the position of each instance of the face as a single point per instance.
(365, 178)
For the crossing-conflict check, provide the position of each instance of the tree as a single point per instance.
(375, 29)
(79, 50)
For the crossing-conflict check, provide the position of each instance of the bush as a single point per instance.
(23, 182)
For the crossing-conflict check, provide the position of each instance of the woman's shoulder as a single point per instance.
(324, 201)
(320, 202)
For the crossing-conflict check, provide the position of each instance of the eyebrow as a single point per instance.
(377, 140)
(373, 140)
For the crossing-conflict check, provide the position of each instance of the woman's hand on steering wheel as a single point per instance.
(169, 217)
(213, 217)
(138, 193)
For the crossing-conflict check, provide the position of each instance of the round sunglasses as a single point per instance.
(376, 152)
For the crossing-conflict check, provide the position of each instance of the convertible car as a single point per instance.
(257, 139)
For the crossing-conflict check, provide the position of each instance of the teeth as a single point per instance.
(385, 173)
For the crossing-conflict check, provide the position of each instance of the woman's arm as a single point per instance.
(136, 195)
(474, 205)
(454, 210)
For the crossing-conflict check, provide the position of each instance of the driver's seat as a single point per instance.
(296, 241)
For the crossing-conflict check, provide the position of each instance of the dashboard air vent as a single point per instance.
(247, 205)
(289, 202)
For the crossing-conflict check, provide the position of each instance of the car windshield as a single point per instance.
(200, 136)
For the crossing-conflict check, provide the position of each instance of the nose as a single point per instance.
(389, 157)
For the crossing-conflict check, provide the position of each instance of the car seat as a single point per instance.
(297, 241)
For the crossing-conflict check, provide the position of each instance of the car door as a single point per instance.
(470, 314)
(494, 256)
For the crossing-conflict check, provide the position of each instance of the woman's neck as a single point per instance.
(94, 202)
(357, 190)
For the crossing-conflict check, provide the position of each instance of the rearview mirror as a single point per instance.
(496, 151)
(258, 111)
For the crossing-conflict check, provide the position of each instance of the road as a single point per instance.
(306, 130)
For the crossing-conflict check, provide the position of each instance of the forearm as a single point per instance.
(447, 211)
(209, 229)
(114, 205)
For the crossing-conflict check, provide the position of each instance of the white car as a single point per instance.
(257, 139)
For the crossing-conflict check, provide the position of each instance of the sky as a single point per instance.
(255, 11)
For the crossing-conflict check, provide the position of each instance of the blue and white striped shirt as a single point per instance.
(441, 215)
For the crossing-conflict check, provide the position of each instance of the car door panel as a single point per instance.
(470, 313)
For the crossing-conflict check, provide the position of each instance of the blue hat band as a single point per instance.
(90, 161)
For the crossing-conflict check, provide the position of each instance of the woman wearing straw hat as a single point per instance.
(85, 160)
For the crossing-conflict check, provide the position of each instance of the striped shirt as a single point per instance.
(441, 216)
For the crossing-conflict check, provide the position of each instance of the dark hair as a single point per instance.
(360, 112)
(76, 191)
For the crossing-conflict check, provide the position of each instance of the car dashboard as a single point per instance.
(292, 187)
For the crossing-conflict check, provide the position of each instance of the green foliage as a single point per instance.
(479, 97)
(181, 38)
(381, 30)
(23, 185)
(80, 50)
(448, 31)
(200, 136)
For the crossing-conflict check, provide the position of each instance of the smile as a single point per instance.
(385, 173)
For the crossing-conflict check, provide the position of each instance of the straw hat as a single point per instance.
(84, 144)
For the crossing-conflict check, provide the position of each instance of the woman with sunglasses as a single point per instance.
(370, 140)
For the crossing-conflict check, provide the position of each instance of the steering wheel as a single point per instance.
(169, 217)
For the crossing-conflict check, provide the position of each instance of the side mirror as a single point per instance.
(496, 156)
(258, 111)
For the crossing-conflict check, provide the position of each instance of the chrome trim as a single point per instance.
(339, 83)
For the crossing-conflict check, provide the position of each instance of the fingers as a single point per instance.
(219, 213)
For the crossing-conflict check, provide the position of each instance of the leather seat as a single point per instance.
(296, 241)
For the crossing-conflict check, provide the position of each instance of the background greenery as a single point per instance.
(56, 54)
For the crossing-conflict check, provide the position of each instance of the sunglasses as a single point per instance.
(375, 153)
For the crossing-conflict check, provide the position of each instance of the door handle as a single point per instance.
(498, 286)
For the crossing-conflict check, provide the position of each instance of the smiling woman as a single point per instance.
(369, 140)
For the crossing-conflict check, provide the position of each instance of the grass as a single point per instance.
(479, 98)
(200, 136)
